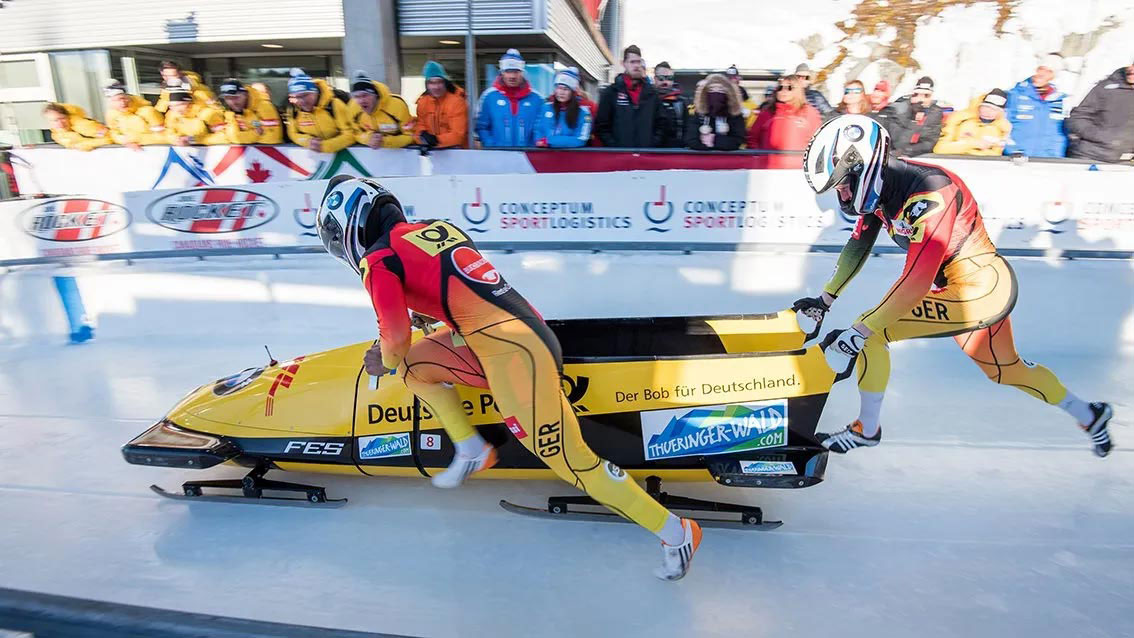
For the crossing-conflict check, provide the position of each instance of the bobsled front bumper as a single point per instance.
(168, 445)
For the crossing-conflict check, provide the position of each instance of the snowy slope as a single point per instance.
(960, 50)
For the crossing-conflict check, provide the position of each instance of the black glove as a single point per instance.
(429, 139)
(810, 310)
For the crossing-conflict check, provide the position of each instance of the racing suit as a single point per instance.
(494, 339)
(954, 284)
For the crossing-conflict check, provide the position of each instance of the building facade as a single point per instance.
(67, 50)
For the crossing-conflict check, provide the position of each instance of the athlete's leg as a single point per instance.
(432, 366)
(524, 376)
(994, 350)
(981, 290)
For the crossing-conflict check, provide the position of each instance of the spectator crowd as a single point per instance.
(634, 111)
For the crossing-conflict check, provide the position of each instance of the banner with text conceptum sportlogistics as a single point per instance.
(1040, 206)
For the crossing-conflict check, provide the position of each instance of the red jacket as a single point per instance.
(788, 129)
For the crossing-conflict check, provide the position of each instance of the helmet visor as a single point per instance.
(331, 234)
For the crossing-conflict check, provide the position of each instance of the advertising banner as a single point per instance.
(1041, 207)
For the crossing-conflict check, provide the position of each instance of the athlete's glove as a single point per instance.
(809, 314)
(841, 347)
(424, 323)
(372, 361)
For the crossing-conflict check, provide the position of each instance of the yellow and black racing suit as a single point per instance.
(954, 284)
(495, 339)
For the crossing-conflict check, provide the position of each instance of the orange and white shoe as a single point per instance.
(463, 467)
(676, 558)
(849, 438)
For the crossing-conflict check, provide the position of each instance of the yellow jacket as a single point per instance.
(202, 95)
(138, 124)
(198, 124)
(83, 134)
(328, 121)
(391, 113)
(750, 108)
(258, 124)
(964, 133)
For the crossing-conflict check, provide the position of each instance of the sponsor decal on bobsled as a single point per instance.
(767, 467)
(231, 384)
(77, 219)
(384, 446)
(318, 448)
(714, 429)
(212, 210)
(283, 380)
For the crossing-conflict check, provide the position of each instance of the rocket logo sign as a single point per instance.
(74, 219)
(212, 210)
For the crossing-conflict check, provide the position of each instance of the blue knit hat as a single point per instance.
(511, 61)
(300, 82)
(569, 78)
(434, 70)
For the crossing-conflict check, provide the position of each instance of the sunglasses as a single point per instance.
(853, 90)
(784, 87)
(663, 78)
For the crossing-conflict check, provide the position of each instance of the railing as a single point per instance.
(48, 616)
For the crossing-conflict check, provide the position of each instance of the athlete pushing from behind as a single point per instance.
(954, 283)
(494, 339)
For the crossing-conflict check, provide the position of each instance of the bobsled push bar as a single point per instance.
(559, 508)
(252, 488)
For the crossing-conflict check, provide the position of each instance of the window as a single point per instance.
(80, 77)
(26, 119)
(18, 74)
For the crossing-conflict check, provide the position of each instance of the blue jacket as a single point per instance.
(552, 126)
(497, 126)
(1037, 124)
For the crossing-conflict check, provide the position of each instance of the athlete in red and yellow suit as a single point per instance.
(495, 339)
(953, 284)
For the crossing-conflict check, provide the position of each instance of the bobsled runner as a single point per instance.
(731, 399)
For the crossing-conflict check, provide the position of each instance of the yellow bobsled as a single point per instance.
(733, 399)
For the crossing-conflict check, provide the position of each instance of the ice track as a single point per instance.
(983, 512)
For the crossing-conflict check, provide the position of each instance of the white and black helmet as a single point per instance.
(354, 213)
(850, 149)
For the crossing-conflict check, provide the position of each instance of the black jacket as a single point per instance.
(671, 126)
(816, 99)
(730, 141)
(1101, 128)
(622, 124)
(908, 137)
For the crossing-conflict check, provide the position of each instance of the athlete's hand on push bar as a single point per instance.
(809, 313)
(423, 323)
(372, 361)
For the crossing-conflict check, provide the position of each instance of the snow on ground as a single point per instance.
(982, 512)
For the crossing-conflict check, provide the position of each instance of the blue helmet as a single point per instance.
(848, 151)
(355, 213)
